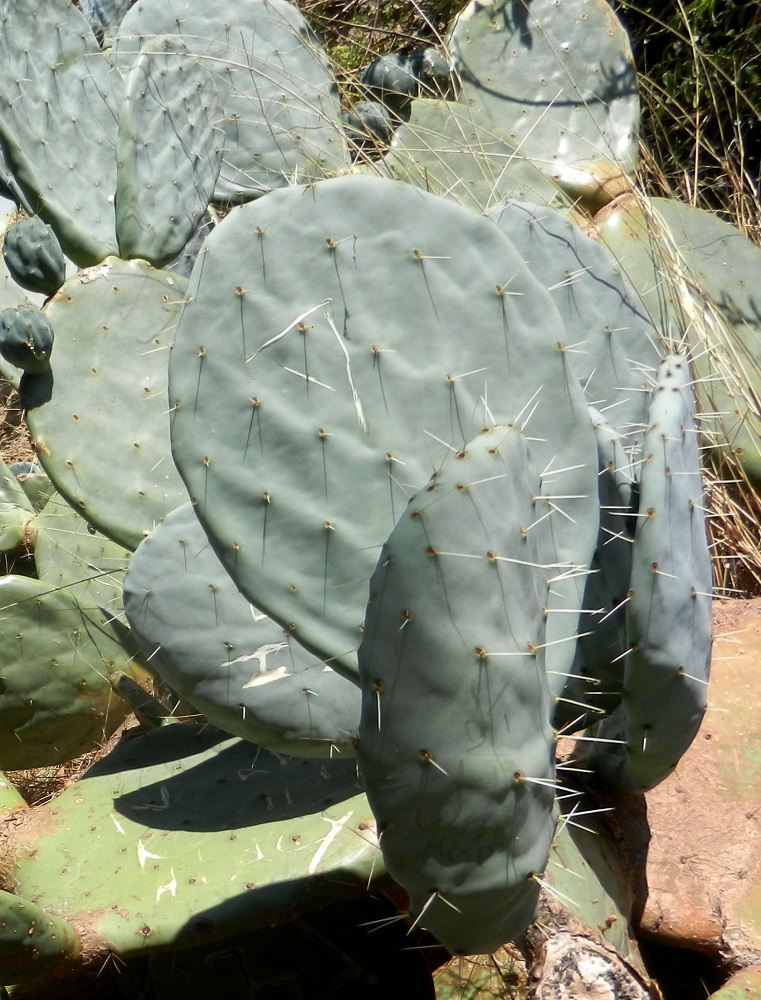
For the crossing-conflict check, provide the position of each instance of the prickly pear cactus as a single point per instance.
(668, 609)
(169, 151)
(31, 940)
(454, 151)
(56, 701)
(59, 99)
(696, 276)
(279, 101)
(103, 405)
(193, 837)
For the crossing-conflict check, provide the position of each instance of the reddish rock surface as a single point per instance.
(704, 856)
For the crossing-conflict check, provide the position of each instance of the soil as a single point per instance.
(15, 445)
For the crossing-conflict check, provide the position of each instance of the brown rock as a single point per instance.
(704, 858)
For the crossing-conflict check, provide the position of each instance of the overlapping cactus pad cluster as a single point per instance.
(395, 460)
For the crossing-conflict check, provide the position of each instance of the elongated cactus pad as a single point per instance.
(169, 151)
(455, 747)
(58, 122)
(668, 609)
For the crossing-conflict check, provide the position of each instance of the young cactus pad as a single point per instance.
(33, 256)
(26, 339)
(308, 402)
(455, 748)
(232, 663)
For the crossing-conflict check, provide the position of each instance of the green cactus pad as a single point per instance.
(69, 553)
(32, 942)
(557, 79)
(194, 837)
(55, 698)
(668, 609)
(58, 122)
(455, 748)
(235, 665)
(104, 404)
(279, 100)
(453, 151)
(169, 151)
(339, 341)
(10, 797)
(33, 256)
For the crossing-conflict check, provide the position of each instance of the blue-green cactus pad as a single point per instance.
(455, 746)
(15, 512)
(232, 663)
(58, 122)
(668, 607)
(614, 348)
(69, 553)
(454, 151)
(169, 151)
(33, 256)
(557, 79)
(279, 100)
(698, 278)
(99, 418)
(26, 339)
